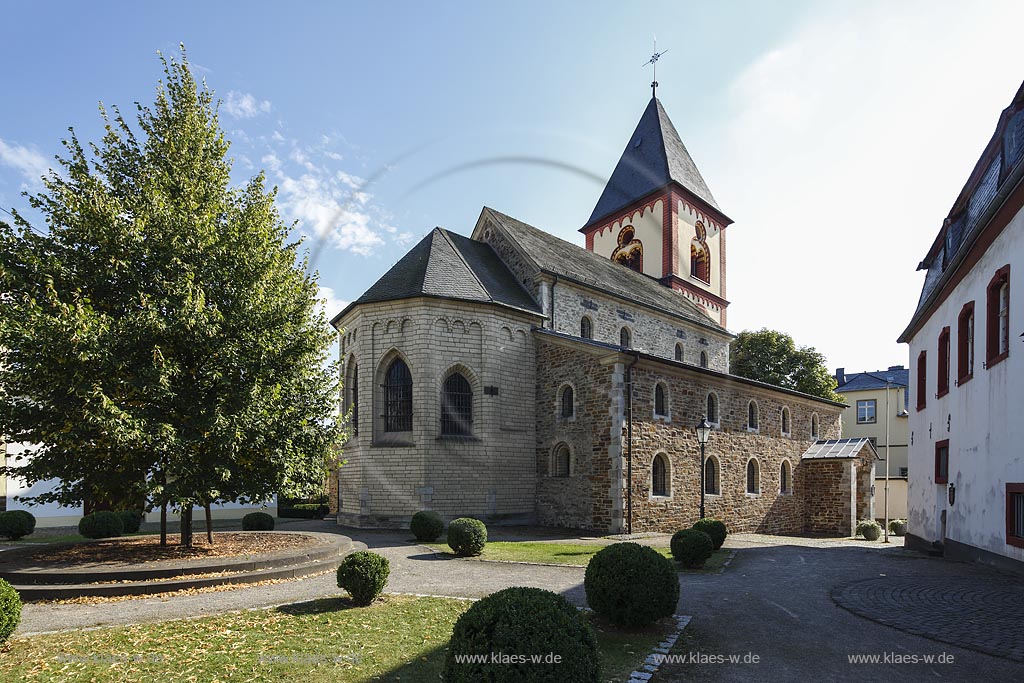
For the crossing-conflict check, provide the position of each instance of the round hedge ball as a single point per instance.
(426, 525)
(102, 524)
(467, 536)
(631, 584)
(364, 574)
(692, 548)
(131, 520)
(713, 528)
(10, 610)
(257, 521)
(525, 635)
(16, 523)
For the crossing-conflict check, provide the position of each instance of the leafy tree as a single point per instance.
(773, 357)
(162, 342)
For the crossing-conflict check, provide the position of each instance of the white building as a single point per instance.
(966, 458)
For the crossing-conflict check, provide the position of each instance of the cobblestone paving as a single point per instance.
(984, 614)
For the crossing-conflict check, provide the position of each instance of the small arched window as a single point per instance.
(586, 328)
(457, 406)
(712, 414)
(752, 415)
(814, 426)
(753, 477)
(700, 262)
(660, 400)
(711, 477)
(659, 476)
(353, 397)
(625, 338)
(398, 397)
(679, 352)
(568, 402)
(561, 459)
(784, 420)
(703, 359)
(785, 478)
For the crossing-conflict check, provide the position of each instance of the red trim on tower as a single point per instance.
(642, 205)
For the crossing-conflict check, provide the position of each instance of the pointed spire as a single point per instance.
(654, 157)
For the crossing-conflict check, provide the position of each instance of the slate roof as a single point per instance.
(654, 156)
(573, 262)
(836, 449)
(862, 381)
(450, 266)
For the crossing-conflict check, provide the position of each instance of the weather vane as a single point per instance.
(654, 61)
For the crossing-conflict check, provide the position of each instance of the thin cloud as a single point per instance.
(27, 161)
(243, 105)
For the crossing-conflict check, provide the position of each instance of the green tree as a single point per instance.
(162, 342)
(773, 357)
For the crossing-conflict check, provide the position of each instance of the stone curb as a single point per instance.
(654, 660)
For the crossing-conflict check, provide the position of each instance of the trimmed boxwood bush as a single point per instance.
(16, 523)
(131, 520)
(898, 527)
(103, 524)
(426, 525)
(523, 622)
(631, 584)
(364, 574)
(869, 529)
(692, 548)
(713, 528)
(10, 609)
(257, 521)
(467, 536)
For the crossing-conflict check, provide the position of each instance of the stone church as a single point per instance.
(519, 378)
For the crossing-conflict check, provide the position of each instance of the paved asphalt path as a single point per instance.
(773, 602)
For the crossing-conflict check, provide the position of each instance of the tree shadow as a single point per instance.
(318, 606)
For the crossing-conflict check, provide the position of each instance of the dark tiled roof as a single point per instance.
(450, 266)
(838, 448)
(654, 157)
(572, 262)
(861, 381)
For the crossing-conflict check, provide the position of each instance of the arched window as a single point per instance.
(703, 359)
(679, 352)
(568, 403)
(752, 415)
(630, 251)
(457, 406)
(398, 397)
(352, 396)
(753, 477)
(660, 400)
(711, 476)
(785, 421)
(560, 461)
(785, 478)
(712, 414)
(625, 338)
(700, 262)
(814, 426)
(659, 476)
(586, 328)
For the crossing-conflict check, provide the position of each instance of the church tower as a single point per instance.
(657, 216)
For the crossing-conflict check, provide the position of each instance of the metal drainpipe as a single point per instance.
(629, 444)
(553, 304)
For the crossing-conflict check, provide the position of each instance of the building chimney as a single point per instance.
(895, 367)
(841, 376)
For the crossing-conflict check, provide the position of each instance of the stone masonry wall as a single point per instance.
(492, 474)
(828, 500)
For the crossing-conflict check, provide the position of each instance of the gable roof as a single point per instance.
(862, 381)
(449, 266)
(572, 262)
(838, 449)
(654, 157)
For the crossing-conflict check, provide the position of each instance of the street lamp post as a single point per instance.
(703, 432)
(888, 383)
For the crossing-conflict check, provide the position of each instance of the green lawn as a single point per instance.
(565, 553)
(398, 638)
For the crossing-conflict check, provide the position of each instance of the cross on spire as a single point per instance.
(654, 62)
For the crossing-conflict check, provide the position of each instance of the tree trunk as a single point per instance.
(209, 523)
(163, 523)
(186, 525)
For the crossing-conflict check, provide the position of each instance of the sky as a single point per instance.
(837, 135)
